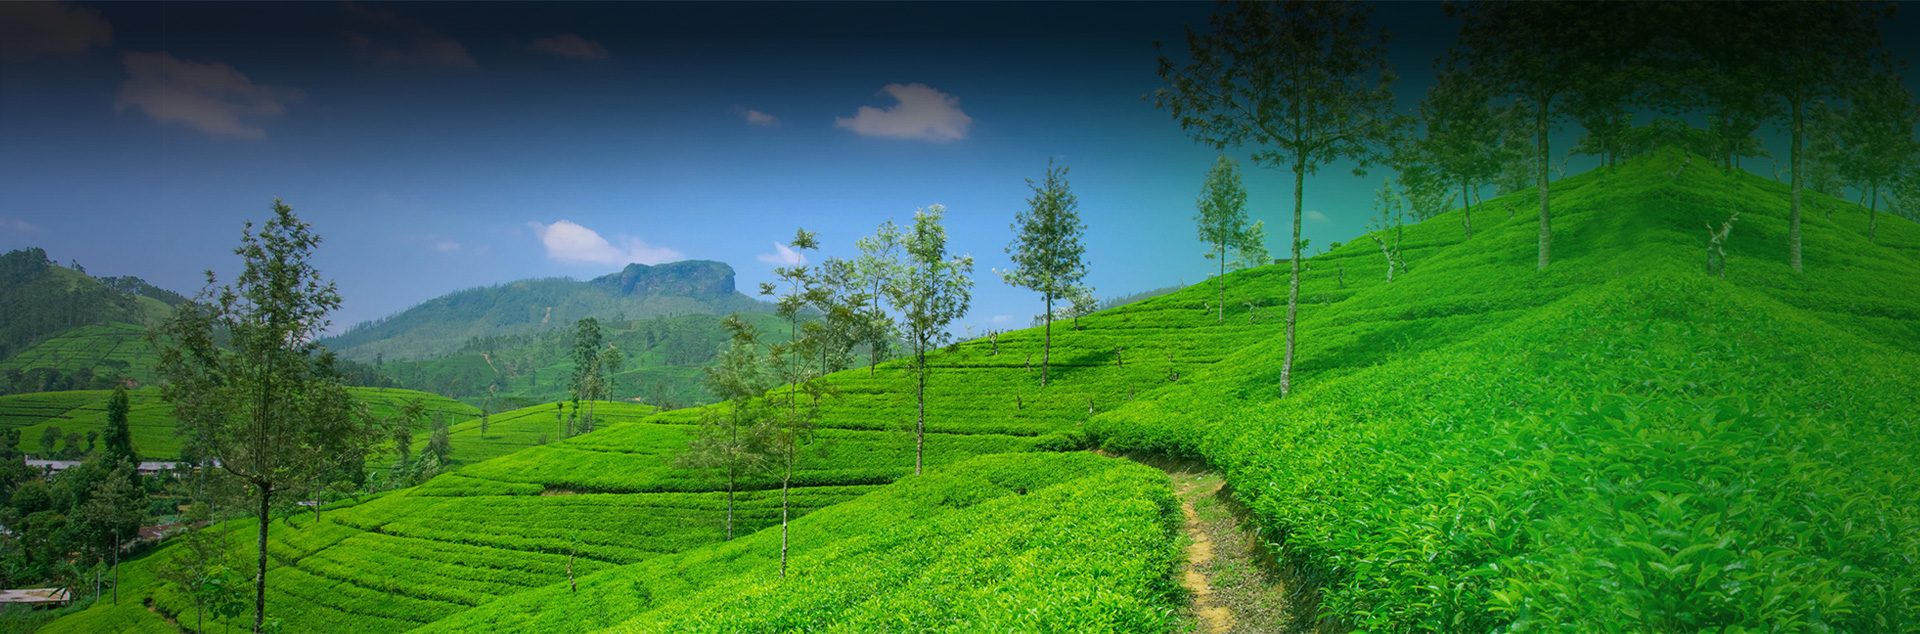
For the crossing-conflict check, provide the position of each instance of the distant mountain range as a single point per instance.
(441, 326)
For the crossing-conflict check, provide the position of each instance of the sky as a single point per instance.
(442, 146)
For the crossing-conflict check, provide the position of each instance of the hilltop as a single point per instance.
(1475, 446)
(439, 327)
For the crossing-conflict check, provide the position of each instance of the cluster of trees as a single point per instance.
(18, 381)
(904, 281)
(1304, 84)
(70, 528)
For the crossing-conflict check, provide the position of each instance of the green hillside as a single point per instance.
(41, 300)
(117, 349)
(1619, 443)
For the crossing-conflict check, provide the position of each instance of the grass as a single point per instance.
(111, 349)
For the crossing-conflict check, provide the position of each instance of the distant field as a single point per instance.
(151, 419)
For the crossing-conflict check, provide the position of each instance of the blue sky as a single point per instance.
(441, 146)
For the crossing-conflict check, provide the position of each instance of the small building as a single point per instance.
(49, 467)
(37, 597)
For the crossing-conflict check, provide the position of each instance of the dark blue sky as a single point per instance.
(439, 146)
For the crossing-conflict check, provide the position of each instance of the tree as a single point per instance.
(587, 379)
(1800, 53)
(401, 426)
(1305, 81)
(791, 363)
(876, 267)
(1222, 219)
(119, 438)
(440, 443)
(1879, 134)
(1390, 211)
(484, 407)
(733, 439)
(243, 370)
(1463, 138)
(931, 289)
(199, 565)
(1048, 256)
(1538, 53)
(116, 508)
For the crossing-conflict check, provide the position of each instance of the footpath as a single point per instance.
(1232, 592)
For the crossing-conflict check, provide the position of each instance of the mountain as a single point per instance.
(440, 326)
(1621, 442)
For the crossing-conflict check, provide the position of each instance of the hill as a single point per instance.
(41, 299)
(1618, 442)
(439, 327)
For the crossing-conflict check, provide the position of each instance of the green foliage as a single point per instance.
(1031, 543)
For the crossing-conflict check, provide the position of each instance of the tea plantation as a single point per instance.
(1619, 443)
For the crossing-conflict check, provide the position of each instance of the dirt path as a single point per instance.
(1232, 592)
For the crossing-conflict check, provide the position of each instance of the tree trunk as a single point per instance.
(1466, 200)
(730, 501)
(260, 579)
(1223, 281)
(1546, 233)
(1046, 350)
(783, 510)
(1793, 210)
(116, 566)
(1873, 214)
(1293, 284)
(920, 428)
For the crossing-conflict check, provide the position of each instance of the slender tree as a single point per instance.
(1306, 82)
(1879, 134)
(242, 368)
(734, 439)
(587, 378)
(1538, 53)
(1801, 53)
(1462, 139)
(1048, 256)
(1389, 213)
(792, 362)
(877, 266)
(931, 289)
(115, 509)
(1222, 219)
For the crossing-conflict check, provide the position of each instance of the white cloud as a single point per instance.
(31, 29)
(570, 45)
(402, 41)
(1315, 216)
(210, 97)
(922, 114)
(1001, 320)
(755, 117)
(782, 256)
(447, 246)
(569, 242)
(18, 225)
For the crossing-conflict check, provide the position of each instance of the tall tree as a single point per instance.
(119, 437)
(1462, 140)
(1538, 53)
(792, 363)
(931, 289)
(586, 366)
(1307, 82)
(1222, 219)
(242, 368)
(876, 267)
(1048, 256)
(733, 439)
(1390, 213)
(1801, 53)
